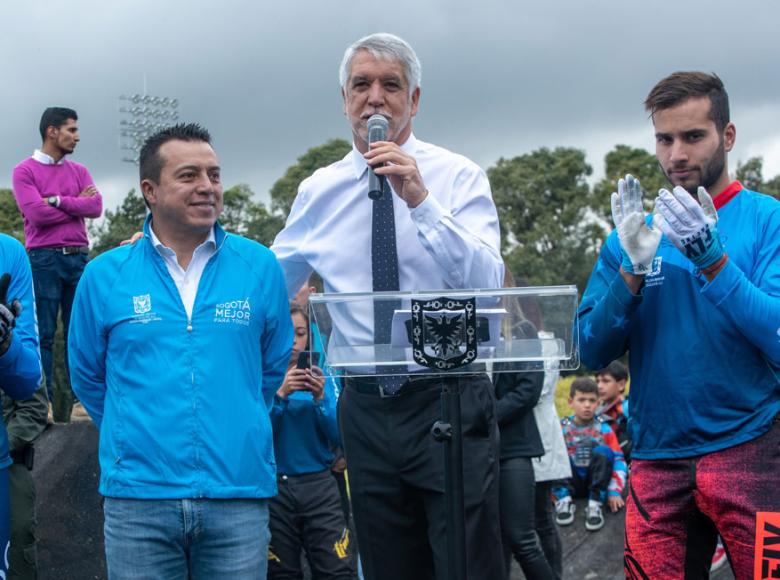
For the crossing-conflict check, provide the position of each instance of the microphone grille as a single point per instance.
(377, 121)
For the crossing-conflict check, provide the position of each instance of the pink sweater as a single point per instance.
(46, 225)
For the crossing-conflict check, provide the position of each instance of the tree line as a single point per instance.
(552, 221)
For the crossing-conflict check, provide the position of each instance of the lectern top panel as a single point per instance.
(447, 331)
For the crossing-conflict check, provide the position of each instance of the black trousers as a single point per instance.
(547, 529)
(396, 476)
(23, 553)
(595, 482)
(307, 514)
(518, 522)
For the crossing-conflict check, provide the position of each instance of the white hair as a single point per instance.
(383, 45)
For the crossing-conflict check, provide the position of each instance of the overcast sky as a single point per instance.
(500, 78)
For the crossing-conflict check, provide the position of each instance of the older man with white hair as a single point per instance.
(435, 227)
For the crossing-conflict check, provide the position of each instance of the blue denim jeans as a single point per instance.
(195, 539)
(55, 276)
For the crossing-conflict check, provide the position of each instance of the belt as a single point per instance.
(304, 477)
(371, 386)
(66, 250)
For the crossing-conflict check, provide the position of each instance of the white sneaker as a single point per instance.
(594, 519)
(564, 511)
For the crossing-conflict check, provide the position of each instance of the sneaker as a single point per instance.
(594, 519)
(719, 559)
(564, 511)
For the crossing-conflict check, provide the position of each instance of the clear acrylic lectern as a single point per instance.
(447, 331)
(447, 334)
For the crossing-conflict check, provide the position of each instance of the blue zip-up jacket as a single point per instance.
(20, 366)
(182, 405)
(305, 432)
(704, 357)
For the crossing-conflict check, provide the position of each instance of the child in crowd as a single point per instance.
(306, 514)
(613, 408)
(598, 468)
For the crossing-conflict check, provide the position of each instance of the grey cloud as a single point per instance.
(499, 77)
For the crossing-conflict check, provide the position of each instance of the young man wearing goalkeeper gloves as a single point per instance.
(698, 309)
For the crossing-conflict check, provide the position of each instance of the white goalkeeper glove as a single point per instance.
(638, 242)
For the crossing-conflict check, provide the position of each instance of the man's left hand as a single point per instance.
(400, 168)
(9, 312)
(133, 239)
(691, 226)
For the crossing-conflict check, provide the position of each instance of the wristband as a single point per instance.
(716, 266)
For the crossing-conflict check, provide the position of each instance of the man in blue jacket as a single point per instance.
(698, 309)
(20, 360)
(177, 346)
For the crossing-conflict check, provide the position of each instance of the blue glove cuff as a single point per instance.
(705, 250)
(625, 262)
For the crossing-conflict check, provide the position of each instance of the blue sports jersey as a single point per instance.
(704, 357)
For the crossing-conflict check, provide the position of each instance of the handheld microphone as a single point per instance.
(377, 131)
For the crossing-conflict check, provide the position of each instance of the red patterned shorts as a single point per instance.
(677, 507)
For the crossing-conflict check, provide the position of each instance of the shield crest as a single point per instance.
(142, 304)
(656, 266)
(444, 332)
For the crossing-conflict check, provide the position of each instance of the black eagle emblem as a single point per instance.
(445, 333)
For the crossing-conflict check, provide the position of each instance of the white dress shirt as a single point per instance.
(46, 159)
(187, 280)
(450, 240)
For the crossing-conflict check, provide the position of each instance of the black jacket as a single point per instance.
(516, 395)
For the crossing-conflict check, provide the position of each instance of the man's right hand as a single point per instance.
(89, 191)
(9, 312)
(638, 242)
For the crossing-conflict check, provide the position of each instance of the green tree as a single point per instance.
(618, 162)
(751, 173)
(11, 222)
(236, 205)
(119, 224)
(285, 189)
(241, 215)
(772, 187)
(262, 225)
(549, 234)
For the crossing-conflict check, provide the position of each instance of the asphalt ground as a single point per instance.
(70, 516)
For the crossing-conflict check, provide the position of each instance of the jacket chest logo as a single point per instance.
(142, 304)
(142, 309)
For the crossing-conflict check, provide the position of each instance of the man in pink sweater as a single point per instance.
(55, 196)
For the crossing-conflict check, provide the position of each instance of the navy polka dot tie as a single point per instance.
(384, 271)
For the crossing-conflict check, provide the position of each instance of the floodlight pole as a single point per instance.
(144, 115)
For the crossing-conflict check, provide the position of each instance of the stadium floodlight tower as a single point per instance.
(141, 116)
